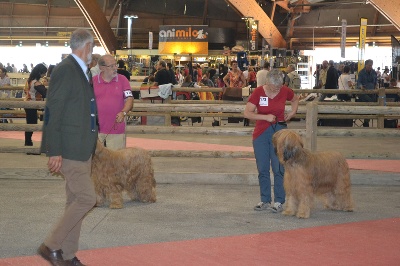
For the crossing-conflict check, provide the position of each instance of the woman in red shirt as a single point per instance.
(251, 79)
(266, 105)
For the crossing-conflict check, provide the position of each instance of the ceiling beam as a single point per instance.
(267, 29)
(389, 9)
(283, 4)
(205, 12)
(100, 26)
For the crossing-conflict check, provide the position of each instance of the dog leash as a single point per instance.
(112, 127)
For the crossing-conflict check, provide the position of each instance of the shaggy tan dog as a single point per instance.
(127, 170)
(324, 174)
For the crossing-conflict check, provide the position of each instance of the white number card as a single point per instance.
(128, 94)
(263, 101)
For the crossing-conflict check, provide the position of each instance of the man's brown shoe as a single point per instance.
(52, 256)
(74, 262)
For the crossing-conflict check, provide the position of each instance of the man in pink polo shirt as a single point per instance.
(114, 99)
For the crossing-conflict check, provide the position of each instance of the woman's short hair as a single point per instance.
(346, 69)
(275, 77)
(233, 62)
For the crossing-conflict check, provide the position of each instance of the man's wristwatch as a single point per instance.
(124, 113)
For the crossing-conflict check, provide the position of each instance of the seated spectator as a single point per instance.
(393, 97)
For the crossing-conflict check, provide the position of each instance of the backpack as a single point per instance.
(295, 81)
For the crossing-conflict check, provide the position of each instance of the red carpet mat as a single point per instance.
(361, 243)
(157, 144)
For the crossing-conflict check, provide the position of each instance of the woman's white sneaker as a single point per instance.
(262, 206)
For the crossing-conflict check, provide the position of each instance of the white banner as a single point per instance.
(150, 40)
(343, 40)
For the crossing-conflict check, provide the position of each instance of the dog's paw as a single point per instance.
(116, 206)
(288, 212)
(303, 215)
(99, 202)
(348, 209)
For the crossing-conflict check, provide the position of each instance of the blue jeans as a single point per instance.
(266, 157)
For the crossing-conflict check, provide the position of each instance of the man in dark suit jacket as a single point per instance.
(69, 140)
(331, 80)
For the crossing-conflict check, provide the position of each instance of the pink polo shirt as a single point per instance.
(110, 98)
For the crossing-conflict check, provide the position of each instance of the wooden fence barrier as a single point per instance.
(379, 110)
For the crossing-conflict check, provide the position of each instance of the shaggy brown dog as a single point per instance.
(324, 174)
(127, 170)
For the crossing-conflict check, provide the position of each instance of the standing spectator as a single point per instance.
(235, 77)
(251, 78)
(15, 70)
(262, 74)
(367, 80)
(199, 73)
(34, 91)
(223, 71)
(94, 65)
(385, 78)
(122, 71)
(4, 79)
(331, 81)
(194, 73)
(322, 74)
(211, 74)
(266, 105)
(69, 140)
(171, 73)
(114, 99)
(24, 69)
(178, 76)
(162, 74)
(292, 79)
(345, 83)
(246, 73)
(379, 77)
(186, 70)
(9, 68)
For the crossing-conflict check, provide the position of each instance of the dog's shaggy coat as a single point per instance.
(129, 170)
(324, 174)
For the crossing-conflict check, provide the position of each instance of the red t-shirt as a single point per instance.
(252, 76)
(265, 105)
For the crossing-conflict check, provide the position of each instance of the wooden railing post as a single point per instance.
(311, 126)
(167, 120)
(381, 102)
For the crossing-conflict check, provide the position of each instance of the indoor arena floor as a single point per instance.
(204, 211)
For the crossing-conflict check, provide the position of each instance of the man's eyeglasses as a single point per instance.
(111, 66)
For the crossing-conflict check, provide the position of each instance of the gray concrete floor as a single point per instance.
(197, 198)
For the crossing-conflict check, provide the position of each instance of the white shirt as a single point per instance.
(261, 77)
(246, 74)
(5, 81)
(343, 81)
(384, 76)
(81, 64)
